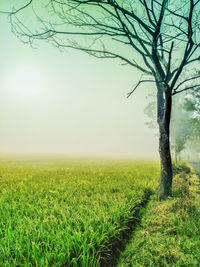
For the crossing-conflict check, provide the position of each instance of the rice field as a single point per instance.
(65, 212)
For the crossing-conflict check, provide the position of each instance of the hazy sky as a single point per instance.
(69, 103)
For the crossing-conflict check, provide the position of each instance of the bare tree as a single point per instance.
(161, 38)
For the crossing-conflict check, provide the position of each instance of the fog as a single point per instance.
(69, 103)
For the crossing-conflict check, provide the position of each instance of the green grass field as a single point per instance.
(66, 212)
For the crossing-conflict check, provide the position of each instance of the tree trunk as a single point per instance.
(165, 185)
(164, 99)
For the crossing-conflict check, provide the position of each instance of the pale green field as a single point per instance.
(66, 212)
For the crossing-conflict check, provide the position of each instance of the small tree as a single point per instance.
(159, 38)
(192, 106)
(182, 131)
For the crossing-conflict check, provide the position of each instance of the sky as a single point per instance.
(69, 103)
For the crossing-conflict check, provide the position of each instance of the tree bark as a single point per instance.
(164, 102)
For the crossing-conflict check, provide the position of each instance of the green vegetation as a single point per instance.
(65, 212)
(72, 213)
(169, 231)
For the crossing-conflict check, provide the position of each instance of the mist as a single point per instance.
(68, 103)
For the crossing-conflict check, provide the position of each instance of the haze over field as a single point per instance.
(69, 103)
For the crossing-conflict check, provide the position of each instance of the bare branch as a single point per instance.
(140, 81)
(185, 89)
(14, 12)
(186, 80)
